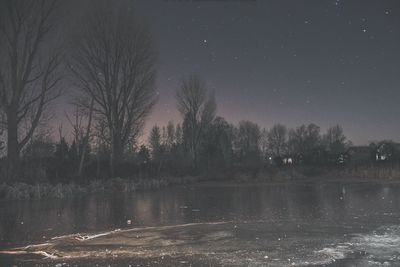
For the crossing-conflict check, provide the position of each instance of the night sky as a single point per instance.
(292, 62)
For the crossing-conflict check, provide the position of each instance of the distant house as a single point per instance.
(386, 150)
(280, 160)
(291, 159)
(342, 158)
(287, 161)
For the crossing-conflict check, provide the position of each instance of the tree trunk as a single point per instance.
(12, 146)
(98, 165)
(86, 140)
(116, 154)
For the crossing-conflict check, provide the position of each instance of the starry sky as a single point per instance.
(291, 62)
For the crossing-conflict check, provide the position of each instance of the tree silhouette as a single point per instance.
(198, 111)
(28, 70)
(304, 142)
(277, 140)
(114, 64)
(334, 141)
(247, 142)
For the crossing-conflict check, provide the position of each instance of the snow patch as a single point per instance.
(336, 253)
(379, 248)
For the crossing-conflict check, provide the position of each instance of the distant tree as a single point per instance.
(224, 134)
(264, 144)
(335, 140)
(73, 153)
(313, 137)
(164, 136)
(78, 132)
(143, 155)
(2, 146)
(62, 150)
(114, 64)
(247, 141)
(178, 159)
(178, 134)
(82, 133)
(86, 138)
(277, 140)
(28, 70)
(169, 145)
(155, 143)
(198, 111)
(39, 148)
(305, 142)
(170, 138)
(157, 147)
(217, 144)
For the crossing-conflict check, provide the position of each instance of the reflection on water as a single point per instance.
(356, 204)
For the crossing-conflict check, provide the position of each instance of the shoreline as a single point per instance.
(292, 175)
(24, 191)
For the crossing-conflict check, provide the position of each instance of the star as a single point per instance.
(205, 41)
(364, 30)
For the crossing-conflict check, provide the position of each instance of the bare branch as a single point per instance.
(114, 65)
(28, 79)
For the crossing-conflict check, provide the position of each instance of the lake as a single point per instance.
(213, 224)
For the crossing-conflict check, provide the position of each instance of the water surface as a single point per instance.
(336, 223)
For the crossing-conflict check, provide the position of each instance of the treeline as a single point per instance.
(203, 143)
(223, 146)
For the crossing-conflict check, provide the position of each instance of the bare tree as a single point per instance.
(114, 64)
(76, 123)
(170, 139)
(178, 134)
(247, 141)
(86, 138)
(28, 71)
(335, 140)
(277, 140)
(155, 143)
(305, 142)
(264, 143)
(81, 133)
(197, 109)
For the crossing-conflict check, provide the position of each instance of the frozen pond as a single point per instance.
(312, 224)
